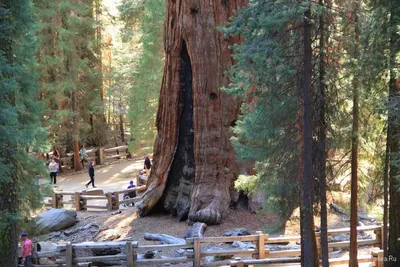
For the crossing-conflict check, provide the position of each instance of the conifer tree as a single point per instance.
(146, 79)
(70, 73)
(20, 129)
(276, 58)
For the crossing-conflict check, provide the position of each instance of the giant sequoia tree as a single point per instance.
(194, 163)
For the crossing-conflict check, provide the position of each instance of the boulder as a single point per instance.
(237, 232)
(54, 220)
(256, 201)
(196, 230)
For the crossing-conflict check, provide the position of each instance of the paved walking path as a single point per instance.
(107, 178)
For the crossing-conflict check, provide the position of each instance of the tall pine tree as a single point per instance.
(20, 128)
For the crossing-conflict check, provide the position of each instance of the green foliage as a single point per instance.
(20, 123)
(247, 183)
(68, 64)
(146, 77)
(265, 131)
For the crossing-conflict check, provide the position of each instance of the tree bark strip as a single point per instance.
(309, 248)
(353, 262)
(322, 142)
(394, 131)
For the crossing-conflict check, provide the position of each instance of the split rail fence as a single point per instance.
(102, 155)
(79, 200)
(195, 251)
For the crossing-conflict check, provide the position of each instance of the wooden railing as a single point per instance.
(80, 199)
(102, 155)
(194, 252)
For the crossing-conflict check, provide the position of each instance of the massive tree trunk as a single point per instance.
(194, 163)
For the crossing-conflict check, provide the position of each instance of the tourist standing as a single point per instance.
(83, 155)
(147, 163)
(53, 168)
(91, 174)
(26, 251)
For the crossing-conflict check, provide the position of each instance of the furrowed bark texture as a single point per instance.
(194, 163)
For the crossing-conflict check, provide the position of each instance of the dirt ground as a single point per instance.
(126, 225)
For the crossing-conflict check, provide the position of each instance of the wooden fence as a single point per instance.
(102, 155)
(79, 200)
(194, 251)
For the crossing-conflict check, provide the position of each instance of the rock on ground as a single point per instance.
(54, 220)
(237, 232)
(196, 230)
(243, 245)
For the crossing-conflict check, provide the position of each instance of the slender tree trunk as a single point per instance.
(121, 127)
(72, 68)
(353, 262)
(75, 133)
(194, 162)
(309, 255)
(322, 142)
(394, 131)
(385, 191)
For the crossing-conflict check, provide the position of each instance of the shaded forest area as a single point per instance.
(284, 99)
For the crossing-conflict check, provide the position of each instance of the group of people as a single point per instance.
(54, 168)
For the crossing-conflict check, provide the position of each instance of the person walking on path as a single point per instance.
(53, 168)
(91, 174)
(83, 155)
(26, 250)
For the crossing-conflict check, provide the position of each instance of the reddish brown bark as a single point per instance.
(194, 162)
(353, 261)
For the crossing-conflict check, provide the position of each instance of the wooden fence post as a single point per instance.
(60, 198)
(68, 255)
(77, 201)
(129, 254)
(379, 237)
(100, 156)
(54, 200)
(197, 252)
(261, 245)
(380, 258)
(109, 201)
(383, 238)
(318, 243)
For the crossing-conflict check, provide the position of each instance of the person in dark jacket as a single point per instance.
(91, 174)
(147, 163)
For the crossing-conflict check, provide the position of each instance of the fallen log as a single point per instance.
(360, 215)
(165, 239)
(82, 228)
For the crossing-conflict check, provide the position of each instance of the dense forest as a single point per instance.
(287, 99)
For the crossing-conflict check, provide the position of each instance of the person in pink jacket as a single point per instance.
(26, 251)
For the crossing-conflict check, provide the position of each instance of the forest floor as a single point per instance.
(128, 226)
